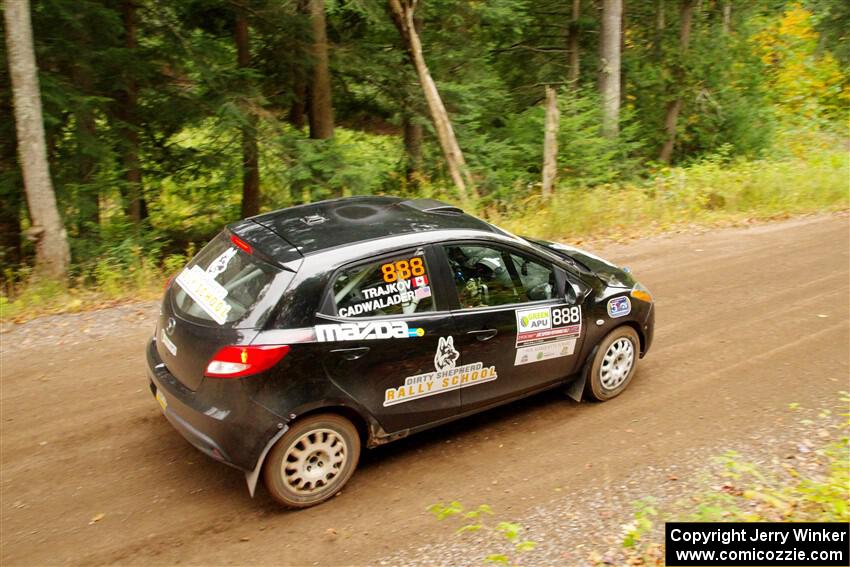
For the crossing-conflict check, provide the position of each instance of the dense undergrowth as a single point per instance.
(810, 176)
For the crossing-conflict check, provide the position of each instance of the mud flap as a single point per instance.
(251, 477)
(575, 389)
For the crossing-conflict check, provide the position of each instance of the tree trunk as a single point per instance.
(250, 162)
(135, 205)
(402, 13)
(298, 107)
(321, 106)
(671, 117)
(88, 198)
(52, 253)
(412, 147)
(609, 75)
(660, 24)
(573, 63)
(727, 17)
(550, 142)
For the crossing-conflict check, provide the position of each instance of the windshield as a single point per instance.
(221, 285)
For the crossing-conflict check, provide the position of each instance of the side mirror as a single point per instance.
(540, 292)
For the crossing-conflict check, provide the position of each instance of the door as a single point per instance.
(512, 319)
(382, 326)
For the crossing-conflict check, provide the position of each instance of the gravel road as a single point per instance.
(749, 320)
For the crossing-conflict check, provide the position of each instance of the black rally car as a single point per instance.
(297, 336)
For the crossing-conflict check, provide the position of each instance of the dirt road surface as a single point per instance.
(749, 320)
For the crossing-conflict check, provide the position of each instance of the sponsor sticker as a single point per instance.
(219, 265)
(422, 292)
(367, 330)
(169, 345)
(206, 292)
(544, 351)
(619, 307)
(545, 324)
(446, 377)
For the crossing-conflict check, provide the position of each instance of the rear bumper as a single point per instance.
(219, 418)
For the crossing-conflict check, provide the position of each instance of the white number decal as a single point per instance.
(565, 316)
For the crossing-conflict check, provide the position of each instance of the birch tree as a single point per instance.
(609, 73)
(402, 13)
(573, 62)
(51, 242)
(550, 142)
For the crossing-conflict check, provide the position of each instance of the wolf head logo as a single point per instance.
(446, 354)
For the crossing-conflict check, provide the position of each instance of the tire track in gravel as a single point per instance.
(108, 450)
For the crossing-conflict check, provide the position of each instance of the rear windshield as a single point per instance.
(221, 285)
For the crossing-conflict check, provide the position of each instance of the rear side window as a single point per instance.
(395, 286)
(221, 284)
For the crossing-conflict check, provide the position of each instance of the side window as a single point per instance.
(487, 276)
(394, 286)
(537, 279)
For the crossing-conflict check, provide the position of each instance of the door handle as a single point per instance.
(351, 353)
(484, 334)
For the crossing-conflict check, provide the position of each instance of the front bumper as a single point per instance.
(219, 418)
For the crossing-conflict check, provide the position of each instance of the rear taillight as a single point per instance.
(238, 361)
(167, 283)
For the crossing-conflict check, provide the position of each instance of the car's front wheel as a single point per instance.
(613, 365)
(312, 461)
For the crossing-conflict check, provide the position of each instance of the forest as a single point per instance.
(159, 122)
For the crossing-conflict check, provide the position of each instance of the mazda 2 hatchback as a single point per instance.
(296, 337)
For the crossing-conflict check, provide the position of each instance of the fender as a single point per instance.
(373, 433)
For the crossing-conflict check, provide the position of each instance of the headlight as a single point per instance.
(641, 293)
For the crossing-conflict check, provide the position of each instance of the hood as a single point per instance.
(609, 273)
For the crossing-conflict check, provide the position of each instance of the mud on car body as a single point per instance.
(297, 336)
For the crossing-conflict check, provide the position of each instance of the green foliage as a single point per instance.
(765, 100)
(748, 493)
(715, 189)
(634, 532)
(500, 533)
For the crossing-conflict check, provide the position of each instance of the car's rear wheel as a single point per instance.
(312, 461)
(613, 365)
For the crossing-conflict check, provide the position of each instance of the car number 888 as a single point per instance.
(566, 316)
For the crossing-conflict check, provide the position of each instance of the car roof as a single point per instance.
(329, 224)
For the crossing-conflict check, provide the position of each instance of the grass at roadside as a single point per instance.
(813, 487)
(710, 193)
(804, 478)
(706, 193)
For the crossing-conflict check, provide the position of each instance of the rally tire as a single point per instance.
(312, 461)
(613, 364)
